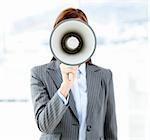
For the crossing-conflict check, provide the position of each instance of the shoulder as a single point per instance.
(106, 73)
(38, 69)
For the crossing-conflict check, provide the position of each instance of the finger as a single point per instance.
(69, 71)
(70, 76)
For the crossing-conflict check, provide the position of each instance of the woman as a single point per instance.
(82, 108)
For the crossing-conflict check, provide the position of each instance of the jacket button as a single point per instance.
(88, 128)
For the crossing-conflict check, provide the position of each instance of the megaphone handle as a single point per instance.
(70, 76)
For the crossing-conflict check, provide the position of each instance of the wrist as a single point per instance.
(64, 90)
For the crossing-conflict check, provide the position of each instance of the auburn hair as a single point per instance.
(71, 13)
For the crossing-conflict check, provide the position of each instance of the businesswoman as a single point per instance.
(82, 108)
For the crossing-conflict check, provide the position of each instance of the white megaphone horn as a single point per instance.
(73, 42)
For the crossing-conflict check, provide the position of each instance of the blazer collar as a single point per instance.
(53, 65)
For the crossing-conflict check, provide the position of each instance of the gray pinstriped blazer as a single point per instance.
(59, 122)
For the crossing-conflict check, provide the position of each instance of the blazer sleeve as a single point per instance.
(48, 112)
(110, 124)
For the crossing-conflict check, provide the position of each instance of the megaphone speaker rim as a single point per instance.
(89, 29)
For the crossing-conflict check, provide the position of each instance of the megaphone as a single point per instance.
(73, 42)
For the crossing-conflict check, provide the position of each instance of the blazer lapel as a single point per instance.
(55, 73)
(93, 87)
(72, 105)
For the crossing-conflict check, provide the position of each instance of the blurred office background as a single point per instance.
(121, 27)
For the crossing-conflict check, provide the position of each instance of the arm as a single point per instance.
(110, 124)
(48, 112)
(65, 100)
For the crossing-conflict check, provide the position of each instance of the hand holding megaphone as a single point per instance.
(68, 76)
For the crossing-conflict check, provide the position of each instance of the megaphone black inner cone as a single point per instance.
(72, 43)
